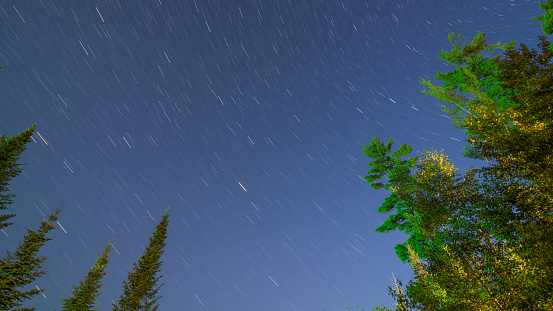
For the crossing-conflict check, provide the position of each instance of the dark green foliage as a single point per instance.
(139, 292)
(519, 140)
(488, 241)
(10, 149)
(84, 296)
(526, 149)
(516, 135)
(443, 211)
(23, 266)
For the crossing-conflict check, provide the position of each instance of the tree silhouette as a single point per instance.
(23, 266)
(10, 150)
(84, 296)
(139, 292)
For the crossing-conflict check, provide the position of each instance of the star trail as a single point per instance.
(247, 119)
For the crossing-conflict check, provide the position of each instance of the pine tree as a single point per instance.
(453, 224)
(510, 123)
(139, 292)
(10, 149)
(84, 296)
(23, 266)
(487, 244)
(522, 145)
(547, 27)
(527, 148)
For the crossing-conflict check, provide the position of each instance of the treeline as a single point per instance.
(23, 266)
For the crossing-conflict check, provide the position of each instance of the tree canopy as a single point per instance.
(482, 240)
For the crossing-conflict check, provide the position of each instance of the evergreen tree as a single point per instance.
(474, 267)
(452, 222)
(502, 125)
(510, 122)
(84, 296)
(547, 27)
(10, 149)
(527, 151)
(526, 148)
(494, 250)
(139, 292)
(23, 266)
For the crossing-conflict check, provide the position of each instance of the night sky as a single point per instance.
(247, 119)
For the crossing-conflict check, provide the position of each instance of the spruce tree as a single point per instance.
(510, 123)
(499, 255)
(139, 293)
(23, 266)
(10, 150)
(452, 221)
(84, 296)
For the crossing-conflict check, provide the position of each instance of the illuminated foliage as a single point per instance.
(465, 230)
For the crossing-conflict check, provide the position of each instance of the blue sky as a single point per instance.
(247, 119)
